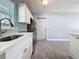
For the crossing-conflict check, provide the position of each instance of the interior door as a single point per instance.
(41, 26)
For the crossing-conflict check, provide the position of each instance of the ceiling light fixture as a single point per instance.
(44, 2)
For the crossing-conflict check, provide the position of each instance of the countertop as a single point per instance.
(74, 34)
(5, 45)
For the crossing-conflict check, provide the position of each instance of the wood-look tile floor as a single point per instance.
(43, 49)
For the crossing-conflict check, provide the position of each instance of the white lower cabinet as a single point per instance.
(21, 50)
(26, 55)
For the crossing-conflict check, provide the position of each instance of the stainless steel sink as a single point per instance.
(9, 38)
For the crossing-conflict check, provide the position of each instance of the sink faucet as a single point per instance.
(0, 25)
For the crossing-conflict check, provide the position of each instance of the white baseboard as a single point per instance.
(58, 39)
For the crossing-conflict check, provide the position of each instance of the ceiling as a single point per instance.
(35, 6)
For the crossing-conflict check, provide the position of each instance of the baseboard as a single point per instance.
(58, 39)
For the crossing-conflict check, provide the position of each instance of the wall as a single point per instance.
(61, 24)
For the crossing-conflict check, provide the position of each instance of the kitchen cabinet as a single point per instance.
(2, 56)
(21, 50)
(24, 14)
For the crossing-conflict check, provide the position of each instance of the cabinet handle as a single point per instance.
(25, 50)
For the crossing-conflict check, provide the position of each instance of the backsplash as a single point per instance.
(9, 32)
(21, 27)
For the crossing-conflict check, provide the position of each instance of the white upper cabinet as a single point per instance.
(24, 14)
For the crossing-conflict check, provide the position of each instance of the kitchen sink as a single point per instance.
(9, 38)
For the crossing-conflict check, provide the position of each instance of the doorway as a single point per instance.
(41, 28)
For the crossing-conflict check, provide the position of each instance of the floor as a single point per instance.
(46, 49)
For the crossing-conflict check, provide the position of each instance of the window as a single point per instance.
(7, 10)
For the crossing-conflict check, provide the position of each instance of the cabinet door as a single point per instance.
(17, 51)
(24, 14)
(14, 51)
(27, 13)
(27, 53)
(21, 13)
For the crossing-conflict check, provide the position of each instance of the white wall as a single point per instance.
(60, 24)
